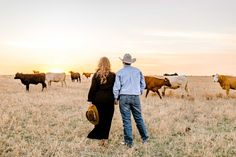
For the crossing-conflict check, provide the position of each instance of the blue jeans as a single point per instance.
(128, 104)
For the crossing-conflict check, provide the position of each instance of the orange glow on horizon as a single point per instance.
(56, 70)
(158, 64)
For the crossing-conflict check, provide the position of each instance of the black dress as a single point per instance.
(101, 95)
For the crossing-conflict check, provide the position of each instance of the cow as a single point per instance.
(56, 77)
(175, 74)
(176, 82)
(75, 76)
(153, 84)
(87, 75)
(226, 82)
(28, 79)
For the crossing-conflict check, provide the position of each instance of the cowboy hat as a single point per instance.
(127, 58)
(92, 115)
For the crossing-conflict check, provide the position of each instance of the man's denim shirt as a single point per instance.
(129, 81)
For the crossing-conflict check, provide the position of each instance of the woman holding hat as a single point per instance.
(101, 95)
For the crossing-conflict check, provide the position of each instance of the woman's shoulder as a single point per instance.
(94, 75)
(112, 74)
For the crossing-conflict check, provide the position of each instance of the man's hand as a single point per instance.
(116, 102)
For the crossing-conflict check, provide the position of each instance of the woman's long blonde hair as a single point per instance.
(104, 67)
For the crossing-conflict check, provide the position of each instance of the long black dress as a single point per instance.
(102, 96)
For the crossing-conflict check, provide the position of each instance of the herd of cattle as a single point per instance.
(41, 78)
(170, 81)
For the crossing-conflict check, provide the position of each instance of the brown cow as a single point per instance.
(226, 82)
(75, 76)
(87, 75)
(153, 84)
(28, 79)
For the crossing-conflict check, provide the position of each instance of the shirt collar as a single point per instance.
(125, 66)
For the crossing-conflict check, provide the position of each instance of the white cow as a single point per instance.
(177, 82)
(56, 77)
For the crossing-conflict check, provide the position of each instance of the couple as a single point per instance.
(108, 88)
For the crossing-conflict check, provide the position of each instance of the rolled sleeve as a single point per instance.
(142, 83)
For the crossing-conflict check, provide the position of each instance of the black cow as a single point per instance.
(175, 74)
(28, 79)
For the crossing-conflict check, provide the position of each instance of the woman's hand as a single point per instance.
(90, 104)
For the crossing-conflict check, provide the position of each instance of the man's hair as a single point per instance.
(126, 63)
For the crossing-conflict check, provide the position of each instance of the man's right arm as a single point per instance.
(142, 82)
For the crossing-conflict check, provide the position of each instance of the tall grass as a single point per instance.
(53, 123)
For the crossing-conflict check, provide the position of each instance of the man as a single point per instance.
(129, 84)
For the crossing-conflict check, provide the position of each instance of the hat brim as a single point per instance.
(95, 111)
(129, 62)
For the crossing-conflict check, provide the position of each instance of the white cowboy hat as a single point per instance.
(128, 59)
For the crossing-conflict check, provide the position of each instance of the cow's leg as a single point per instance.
(183, 91)
(44, 85)
(227, 92)
(147, 93)
(159, 94)
(80, 79)
(63, 82)
(27, 87)
(164, 90)
(186, 89)
(49, 83)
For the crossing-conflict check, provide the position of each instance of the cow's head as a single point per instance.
(17, 76)
(215, 77)
(167, 82)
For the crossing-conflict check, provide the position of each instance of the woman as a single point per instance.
(101, 95)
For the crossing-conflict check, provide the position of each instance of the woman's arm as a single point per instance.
(93, 89)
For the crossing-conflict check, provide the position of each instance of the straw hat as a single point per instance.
(92, 115)
(127, 58)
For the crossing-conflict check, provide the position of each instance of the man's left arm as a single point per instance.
(116, 87)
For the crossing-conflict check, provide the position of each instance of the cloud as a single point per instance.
(189, 34)
(173, 41)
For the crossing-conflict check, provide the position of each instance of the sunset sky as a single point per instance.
(192, 37)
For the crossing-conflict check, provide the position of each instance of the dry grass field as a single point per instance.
(53, 122)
